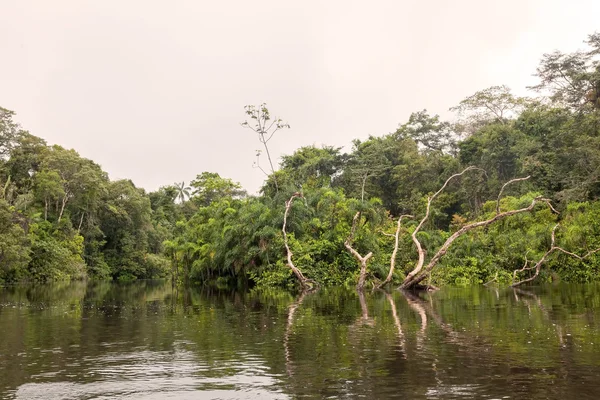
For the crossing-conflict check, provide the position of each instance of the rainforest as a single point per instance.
(506, 191)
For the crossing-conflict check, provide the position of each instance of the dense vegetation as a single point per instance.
(61, 217)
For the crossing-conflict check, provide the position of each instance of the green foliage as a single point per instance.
(62, 218)
(14, 244)
(55, 253)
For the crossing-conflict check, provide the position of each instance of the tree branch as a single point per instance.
(553, 248)
(362, 260)
(409, 283)
(290, 263)
(420, 250)
(393, 258)
(504, 186)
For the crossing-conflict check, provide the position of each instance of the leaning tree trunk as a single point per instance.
(420, 272)
(361, 260)
(396, 236)
(304, 282)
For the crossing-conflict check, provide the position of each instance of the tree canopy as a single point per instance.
(61, 217)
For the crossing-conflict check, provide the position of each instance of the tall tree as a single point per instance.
(183, 192)
(572, 79)
(262, 124)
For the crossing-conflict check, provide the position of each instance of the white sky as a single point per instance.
(154, 90)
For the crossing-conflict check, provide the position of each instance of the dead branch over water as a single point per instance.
(361, 260)
(303, 281)
(419, 273)
(538, 266)
(395, 252)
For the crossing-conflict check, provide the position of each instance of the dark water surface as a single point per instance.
(147, 341)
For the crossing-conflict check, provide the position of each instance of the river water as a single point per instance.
(146, 340)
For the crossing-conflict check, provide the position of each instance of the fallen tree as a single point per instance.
(304, 282)
(362, 260)
(538, 265)
(421, 271)
(396, 236)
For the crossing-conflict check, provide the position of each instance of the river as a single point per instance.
(148, 340)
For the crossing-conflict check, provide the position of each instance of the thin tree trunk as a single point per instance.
(393, 258)
(288, 204)
(362, 191)
(271, 164)
(45, 209)
(80, 222)
(420, 251)
(62, 208)
(362, 260)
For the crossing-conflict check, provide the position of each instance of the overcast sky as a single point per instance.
(154, 90)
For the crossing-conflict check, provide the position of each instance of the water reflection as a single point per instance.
(151, 340)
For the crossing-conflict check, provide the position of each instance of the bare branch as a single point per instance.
(362, 260)
(504, 186)
(257, 163)
(296, 271)
(494, 279)
(393, 258)
(553, 248)
(413, 280)
(420, 250)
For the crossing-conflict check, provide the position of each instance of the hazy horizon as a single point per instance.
(156, 93)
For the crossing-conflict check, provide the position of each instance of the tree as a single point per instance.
(265, 128)
(312, 167)
(9, 132)
(209, 187)
(362, 260)
(303, 281)
(48, 186)
(429, 132)
(14, 245)
(79, 176)
(183, 192)
(573, 79)
(495, 104)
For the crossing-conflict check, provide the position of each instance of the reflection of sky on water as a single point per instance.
(158, 375)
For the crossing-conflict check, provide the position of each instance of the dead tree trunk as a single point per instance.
(538, 265)
(419, 273)
(305, 283)
(393, 258)
(420, 251)
(362, 260)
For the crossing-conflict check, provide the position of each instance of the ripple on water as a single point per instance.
(161, 375)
